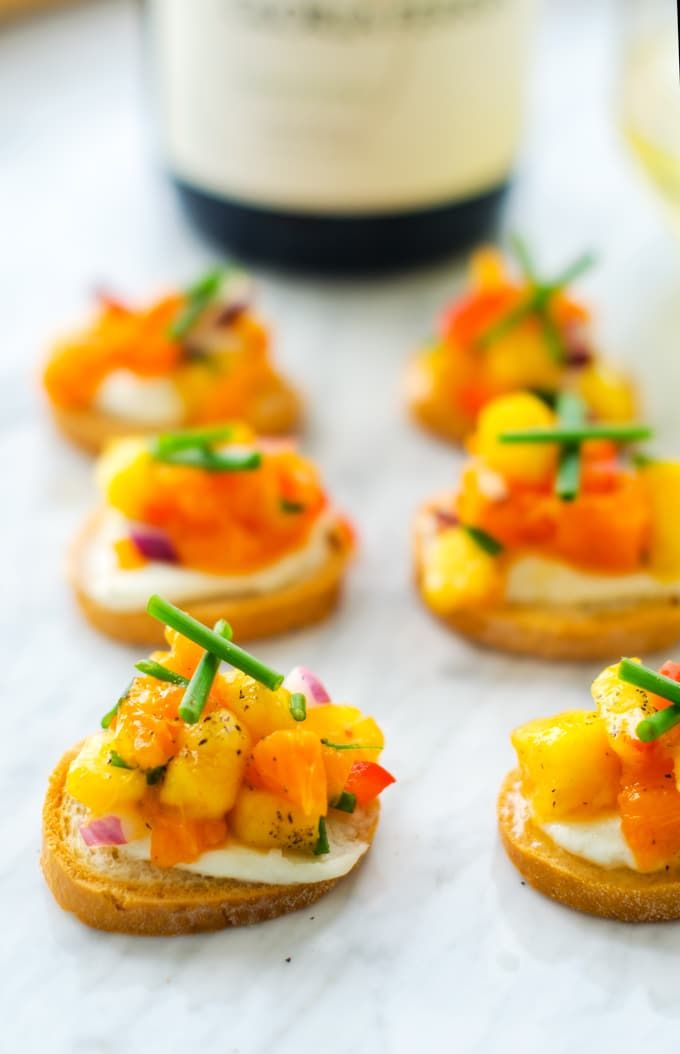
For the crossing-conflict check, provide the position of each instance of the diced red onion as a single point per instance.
(153, 543)
(445, 518)
(106, 831)
(302, 680)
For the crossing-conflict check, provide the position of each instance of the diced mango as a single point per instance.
(663, 484)
(567, 765)
(346, 724)
(621, 707)
(457, 573)
(101, 786)
(487, 268)
(521, 360)
(203, 779)
(523, 462)
(122, 473)
(268, 821)
(608, 394)
(259, 709)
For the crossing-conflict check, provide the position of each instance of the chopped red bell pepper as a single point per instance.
(366, 780)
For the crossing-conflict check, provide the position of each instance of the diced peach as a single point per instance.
(567, 765)
(202, 781)
(101, 786)
(269, 821)
(290, 764)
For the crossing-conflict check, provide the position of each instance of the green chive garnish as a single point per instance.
(620, 433)
(198, 296)
(351, 746)
(108, 718)
(160, 672)
(571, 411)
(154, 776)
(117, 761)
(485, 541)
(218, 645)
(642, 677)
(210, 460)
(198, 689)
(291, 506)
(170, 442)
(322, 844)
(298, 706)
(345, 802)
(537, 301)
(662, 721)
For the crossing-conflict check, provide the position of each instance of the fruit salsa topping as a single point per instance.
(199, 759)
(214, 500)
(544, 482)
(207, 340)
(621, 759)
(509, 334)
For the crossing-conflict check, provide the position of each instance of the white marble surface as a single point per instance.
(435, 944)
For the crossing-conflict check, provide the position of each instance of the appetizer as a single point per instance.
(511, 334)
(210, 799)
(591, 816)
(197, 357)
(560, 542)
(236, 527)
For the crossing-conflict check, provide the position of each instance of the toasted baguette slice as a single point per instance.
(616, 893)
(299, 604)
(576, 632)
(277, 412)
(108, 891)
(428, 409)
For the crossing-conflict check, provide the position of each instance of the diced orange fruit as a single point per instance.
(290, 764)
(128, 555)
(178, 840)
(650, 814)
(346, 725)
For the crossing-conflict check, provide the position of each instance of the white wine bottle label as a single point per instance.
(341, 106)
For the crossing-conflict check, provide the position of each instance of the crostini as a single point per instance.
(511, 334)
(591, 815)
(210, 799)
(560, 542)
(233, 526)
(197, 357)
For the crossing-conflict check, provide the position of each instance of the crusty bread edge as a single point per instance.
(617, 893)
(279, 413)
(155, 907)
(567, 632)
(299, 604)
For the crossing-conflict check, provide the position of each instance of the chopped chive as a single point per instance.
(169, 442)
(571, 409)
(551, 333)
(568, 474)
(291, 506)
(508, 322)
(643, 677)
(642, 460)
(218, 645)
(485, 541)
(210, 460)
(298, 706)
(345, 802)
(662, 721)
(521, 251)
(198, 296)
(621, 433)
(117, 761)
(573, 271)
(322, 844)
(351, 746)
(160, 672)
(154, 776)
(198, 689)
(108, 717)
